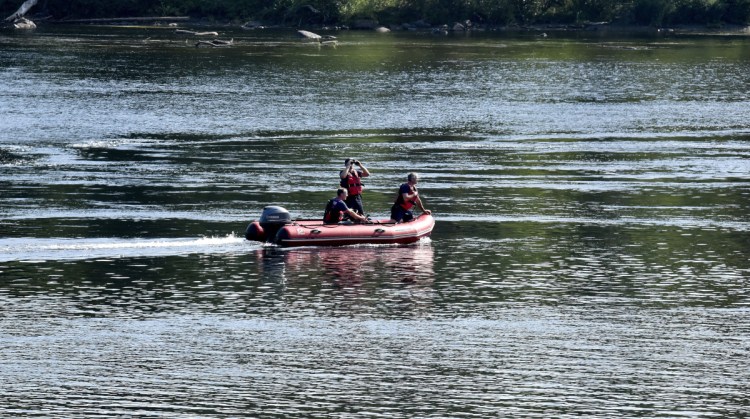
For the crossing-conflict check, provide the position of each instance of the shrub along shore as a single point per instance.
(713, 14)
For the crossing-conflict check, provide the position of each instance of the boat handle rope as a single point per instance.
(316, 226)
(338, 225)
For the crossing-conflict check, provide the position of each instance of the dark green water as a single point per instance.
(590, 256)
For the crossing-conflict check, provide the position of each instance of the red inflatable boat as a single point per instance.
(275, 226)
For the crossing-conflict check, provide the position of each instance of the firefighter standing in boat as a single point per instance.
(351, 179)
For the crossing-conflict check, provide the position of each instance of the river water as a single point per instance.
(590, 257)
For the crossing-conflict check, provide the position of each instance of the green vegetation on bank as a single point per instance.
(386, 12)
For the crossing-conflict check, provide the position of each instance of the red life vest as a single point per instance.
(352, 183)
(407, 205)
(331, 214)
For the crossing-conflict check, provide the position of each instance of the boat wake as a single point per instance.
(37, 250)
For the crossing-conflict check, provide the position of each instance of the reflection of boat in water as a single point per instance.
(363, 279)
(352, 265)
(275, 226)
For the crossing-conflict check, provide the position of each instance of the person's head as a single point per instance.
(412, 178)
(348, 161)
(342, 193)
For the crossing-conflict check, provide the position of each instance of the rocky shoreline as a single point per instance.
(419, 26)
(468, 26)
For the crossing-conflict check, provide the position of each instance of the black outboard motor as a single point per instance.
(271, 221)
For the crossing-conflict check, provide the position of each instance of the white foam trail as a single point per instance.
(32, 249)
(680, 222)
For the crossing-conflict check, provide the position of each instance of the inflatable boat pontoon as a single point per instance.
(275, 226)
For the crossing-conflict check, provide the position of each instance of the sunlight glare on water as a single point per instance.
(589, 257)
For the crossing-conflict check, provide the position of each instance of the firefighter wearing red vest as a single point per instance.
(408, 196)
(336, 209)
(351, 179)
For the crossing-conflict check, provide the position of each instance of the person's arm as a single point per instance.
(418, 201)
(419, 204)
(365, 172)
(356, 216)
(412, 195)
(344, 173)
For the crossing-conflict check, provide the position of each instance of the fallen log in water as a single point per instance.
(309, 35)
(186, 32)
(28, 4)
(215, 43)
(323, 39)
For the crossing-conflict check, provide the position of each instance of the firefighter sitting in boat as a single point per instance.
(336, 208)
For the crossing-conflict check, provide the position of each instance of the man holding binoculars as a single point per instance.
(351, 179)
